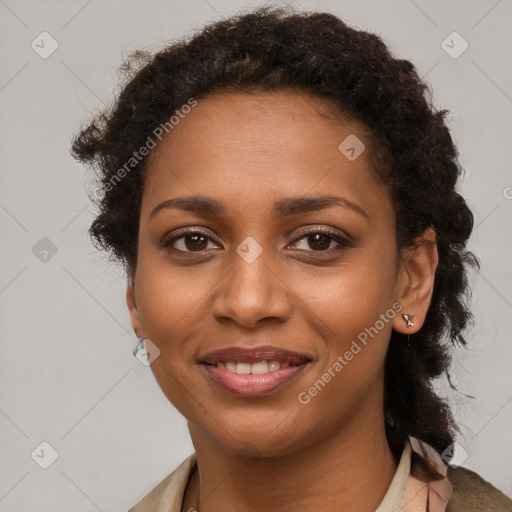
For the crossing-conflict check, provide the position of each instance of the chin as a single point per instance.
(261, 441)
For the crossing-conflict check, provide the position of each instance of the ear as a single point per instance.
(131, 302)
(415, 282)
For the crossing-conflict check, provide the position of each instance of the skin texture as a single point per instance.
(310, 296)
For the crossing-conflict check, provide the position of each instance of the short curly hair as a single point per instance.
(271, 49)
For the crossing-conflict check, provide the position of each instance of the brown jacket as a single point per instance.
(471, 493)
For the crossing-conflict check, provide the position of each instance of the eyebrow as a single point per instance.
(204, 205)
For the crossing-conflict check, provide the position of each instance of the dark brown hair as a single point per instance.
(276, 49)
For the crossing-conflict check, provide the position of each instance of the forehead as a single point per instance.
(262, 145)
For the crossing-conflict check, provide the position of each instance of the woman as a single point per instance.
(282, 195)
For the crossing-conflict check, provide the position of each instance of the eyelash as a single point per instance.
(342, 241)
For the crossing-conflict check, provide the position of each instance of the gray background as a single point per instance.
(67, 375)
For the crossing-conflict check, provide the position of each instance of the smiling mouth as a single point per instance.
(251, 373)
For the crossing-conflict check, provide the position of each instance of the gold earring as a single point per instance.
(408, 319)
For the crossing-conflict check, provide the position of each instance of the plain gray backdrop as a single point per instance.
(67, 376)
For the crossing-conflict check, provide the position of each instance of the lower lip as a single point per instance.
(252, 385)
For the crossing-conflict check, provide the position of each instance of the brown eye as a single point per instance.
(195, 242)
(188, 241)
(320, 240)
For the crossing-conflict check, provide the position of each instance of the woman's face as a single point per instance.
(257, 268)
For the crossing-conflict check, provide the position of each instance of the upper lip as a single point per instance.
(254, 355)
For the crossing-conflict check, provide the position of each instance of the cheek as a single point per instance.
(167, 295)
(352, 309)
(169, 305)
(169, 314)
(351, 298)
(349, 376)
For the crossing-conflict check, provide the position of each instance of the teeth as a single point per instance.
(259, 368)
(274, 365)
(255, 368)
(243, 368)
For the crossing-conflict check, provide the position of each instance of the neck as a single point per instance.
(350, 471)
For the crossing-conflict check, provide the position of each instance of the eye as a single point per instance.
(188, 241)
(320, 240)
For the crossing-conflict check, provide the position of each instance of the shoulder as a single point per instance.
(471, 493)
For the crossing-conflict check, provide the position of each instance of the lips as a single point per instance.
(251, 373)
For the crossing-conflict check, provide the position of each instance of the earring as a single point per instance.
(141, 345)
(408, 319)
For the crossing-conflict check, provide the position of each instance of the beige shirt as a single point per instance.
(168, 495)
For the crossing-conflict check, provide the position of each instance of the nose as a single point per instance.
(251, 292)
